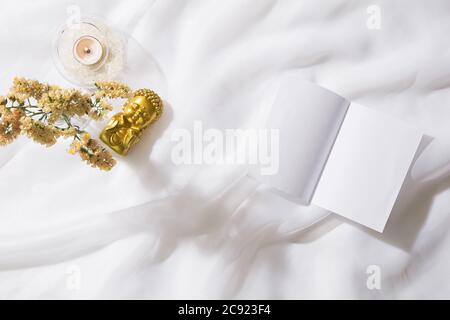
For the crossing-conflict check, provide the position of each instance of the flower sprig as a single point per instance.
(45, 113)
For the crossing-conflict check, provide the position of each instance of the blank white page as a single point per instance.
(367, 166)
(308, 118)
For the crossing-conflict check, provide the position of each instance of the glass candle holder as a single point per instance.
(89, 51)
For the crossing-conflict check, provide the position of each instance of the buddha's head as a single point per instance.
(144, 108)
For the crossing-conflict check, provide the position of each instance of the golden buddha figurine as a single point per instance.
(125, 128)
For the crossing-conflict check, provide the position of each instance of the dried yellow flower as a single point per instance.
(39, 131)
(67, 132)
(23, 89)
(112, 89)
(93, 153)
(9, 125)
(44, 113)
(100, 110)
(68, 102)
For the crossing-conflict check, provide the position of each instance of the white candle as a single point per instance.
(88, 50)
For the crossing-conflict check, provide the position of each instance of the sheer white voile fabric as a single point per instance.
(150, 229)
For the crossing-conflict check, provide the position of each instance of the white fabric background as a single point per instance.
(150, 229)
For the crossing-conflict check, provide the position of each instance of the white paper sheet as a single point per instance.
(367, 166)
(308, 118)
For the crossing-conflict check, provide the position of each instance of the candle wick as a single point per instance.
(87, 50)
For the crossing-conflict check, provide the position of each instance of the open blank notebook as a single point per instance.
(339, 155)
